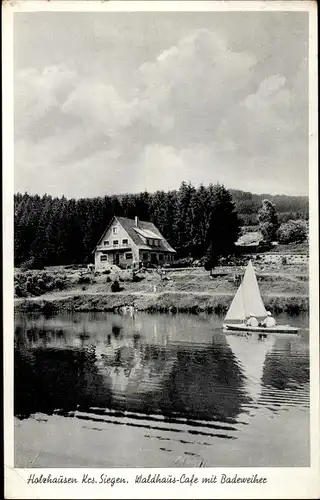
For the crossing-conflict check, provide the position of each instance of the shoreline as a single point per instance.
(165, 302)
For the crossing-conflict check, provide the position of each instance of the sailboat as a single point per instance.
(248, 300)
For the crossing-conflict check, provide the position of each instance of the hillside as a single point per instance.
(59, 231)
(288, 207)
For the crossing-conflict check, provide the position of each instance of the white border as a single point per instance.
(282, 482)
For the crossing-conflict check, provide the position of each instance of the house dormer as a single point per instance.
(149, 237)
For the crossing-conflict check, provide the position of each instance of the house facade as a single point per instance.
(128, 242)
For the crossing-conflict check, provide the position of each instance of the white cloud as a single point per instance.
(198, 110)
(100, 105)
(36, 93)
(46, 163)
(189, 85)
(161, 166)
(266, 123)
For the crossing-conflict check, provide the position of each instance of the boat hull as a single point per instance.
(260, 329)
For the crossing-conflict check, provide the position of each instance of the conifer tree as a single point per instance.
(63, 231)
(199, 218)
(183, 219)
(224, 227)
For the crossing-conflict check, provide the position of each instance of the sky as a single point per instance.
(109, 103)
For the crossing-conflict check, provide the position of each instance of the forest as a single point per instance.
(60, 231)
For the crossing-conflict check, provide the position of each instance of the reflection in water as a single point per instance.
(251, 352)
(125, 372)
(176, 374)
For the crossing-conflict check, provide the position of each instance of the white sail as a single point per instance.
(236, 310)
(247, 299)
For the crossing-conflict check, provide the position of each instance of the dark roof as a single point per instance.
(129, 225)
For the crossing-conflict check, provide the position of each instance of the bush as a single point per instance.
(293, 231)
(115, 287)
(136, 278)
(59, 284)
(84, 280)
(37, 283)
(19, 292)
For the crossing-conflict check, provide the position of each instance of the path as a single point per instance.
(76, 293)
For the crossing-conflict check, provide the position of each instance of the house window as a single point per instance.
(115, 243)
(106, 243)
(128, 256)
(144, 256)
(103, 258)
(125, 242)
(161, 257)
(114, 230)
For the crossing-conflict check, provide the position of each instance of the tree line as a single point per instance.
(288, 207)
(196, 221)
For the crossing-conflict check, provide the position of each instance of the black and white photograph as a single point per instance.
(162, 229)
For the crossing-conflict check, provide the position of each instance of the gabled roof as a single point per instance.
(147, 228)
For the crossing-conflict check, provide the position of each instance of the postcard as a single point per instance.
(161, 307)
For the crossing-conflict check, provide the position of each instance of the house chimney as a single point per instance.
(136, 221)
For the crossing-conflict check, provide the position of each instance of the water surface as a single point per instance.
(103, 390)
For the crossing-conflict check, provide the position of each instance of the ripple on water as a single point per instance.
(178, 379)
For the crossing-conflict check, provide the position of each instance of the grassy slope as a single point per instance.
(282, 289)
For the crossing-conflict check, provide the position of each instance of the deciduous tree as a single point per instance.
(268, 221)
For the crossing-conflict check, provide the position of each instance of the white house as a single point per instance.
(127, 241)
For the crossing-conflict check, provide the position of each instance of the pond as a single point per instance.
(157, 390)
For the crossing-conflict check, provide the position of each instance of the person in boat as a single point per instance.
(269, 321)
(252, 321)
